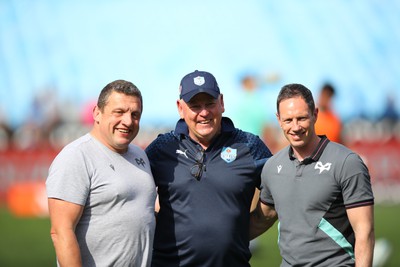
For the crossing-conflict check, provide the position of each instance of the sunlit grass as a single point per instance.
(26, 241)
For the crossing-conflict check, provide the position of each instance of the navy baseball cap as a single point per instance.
(198, 82)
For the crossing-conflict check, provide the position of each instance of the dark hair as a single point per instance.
(296, 90)
(329, 89)
(119, 86)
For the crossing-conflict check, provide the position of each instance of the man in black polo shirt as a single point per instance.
(206, 171)
(319, 190)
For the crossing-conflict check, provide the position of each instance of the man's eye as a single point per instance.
(136, 116)
(211, 104)
(194, 106)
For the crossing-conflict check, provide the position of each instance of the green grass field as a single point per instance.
(387, 221)
(26, 242)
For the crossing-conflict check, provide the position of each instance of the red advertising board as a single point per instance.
(23, 173)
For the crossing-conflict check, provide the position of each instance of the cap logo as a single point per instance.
(199, 80)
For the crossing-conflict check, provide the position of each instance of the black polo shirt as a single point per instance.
(205, 221)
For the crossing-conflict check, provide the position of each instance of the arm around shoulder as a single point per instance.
(261, 219)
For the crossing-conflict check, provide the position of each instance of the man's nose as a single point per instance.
(127, 118)
(296, 125)
(204, 111)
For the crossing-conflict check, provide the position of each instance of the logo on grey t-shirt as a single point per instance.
(323, 167)
(279, 167)
(140, 161)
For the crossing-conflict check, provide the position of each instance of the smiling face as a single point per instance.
(118, 123)
(203, 115)
(297, 122)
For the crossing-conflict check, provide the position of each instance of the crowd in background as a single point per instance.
(52, 122)
(26, 150)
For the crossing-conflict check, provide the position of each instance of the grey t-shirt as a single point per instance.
(311, 198)
(118, 195)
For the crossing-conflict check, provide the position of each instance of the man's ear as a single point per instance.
(278, 118)
(96, 114)
(221, 96)
(315, 115)
(180, 107)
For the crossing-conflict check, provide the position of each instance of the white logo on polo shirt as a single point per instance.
(323, 167)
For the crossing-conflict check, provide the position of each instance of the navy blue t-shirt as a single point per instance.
(205, 221)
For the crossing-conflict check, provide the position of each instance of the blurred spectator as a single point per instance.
(87, 113)
(5, 131)
(70, 126)
(45, 112)
(390, 113)
(43, 118)
(328, 122)
(250, 114)
(389, 120)
(254, 109)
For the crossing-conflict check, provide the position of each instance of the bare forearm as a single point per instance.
(259, 228)
(67, 249)
(364, 250)
(261, 220)
(362, 221)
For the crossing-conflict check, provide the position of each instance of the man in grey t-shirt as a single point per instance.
(100, 189)
(319, 190)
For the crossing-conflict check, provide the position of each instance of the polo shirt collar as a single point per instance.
(317, 152)
(227, 126)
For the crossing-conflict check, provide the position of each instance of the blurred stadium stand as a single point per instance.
(55, 56)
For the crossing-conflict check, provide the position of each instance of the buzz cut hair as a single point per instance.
(119, 86)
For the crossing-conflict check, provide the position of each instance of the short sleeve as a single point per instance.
(68, 177)
(265, 193)
(356, 182)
